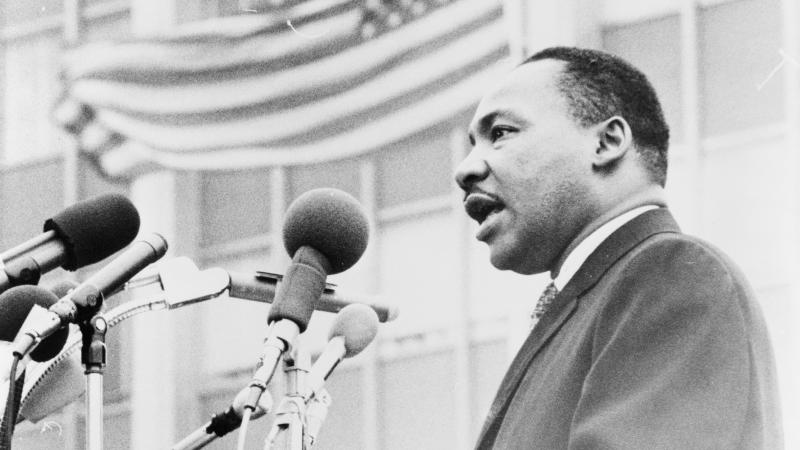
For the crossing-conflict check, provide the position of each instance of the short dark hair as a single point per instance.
(598, 85)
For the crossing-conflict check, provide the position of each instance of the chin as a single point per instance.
(502, 262)
(515, 263)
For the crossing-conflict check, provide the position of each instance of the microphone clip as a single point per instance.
(88, 301)
(93, 350)
(79, 306)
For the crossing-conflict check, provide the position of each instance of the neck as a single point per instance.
(651, 195)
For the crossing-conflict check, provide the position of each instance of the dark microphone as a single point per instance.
(15, 305)
(352, 331)
(82, 234)
(224, 422)
(53, 344)
(325, 232)
(60, 381)
(86, 299)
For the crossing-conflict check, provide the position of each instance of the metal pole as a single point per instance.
(94, 411)
(288, 430)
(93, 356)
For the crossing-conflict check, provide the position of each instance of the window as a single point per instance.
(419, 167)
(654, 47)
(234, 206)
(739, 44)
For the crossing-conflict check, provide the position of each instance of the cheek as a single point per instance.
(548, 205)
(545, 180)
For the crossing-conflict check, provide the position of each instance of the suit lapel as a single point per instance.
(545, 328)
(614, 247)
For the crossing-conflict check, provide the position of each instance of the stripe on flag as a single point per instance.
(250, 91)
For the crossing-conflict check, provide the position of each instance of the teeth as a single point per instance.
(491, 213)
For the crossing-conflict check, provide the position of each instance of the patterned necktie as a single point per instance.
(546, 298)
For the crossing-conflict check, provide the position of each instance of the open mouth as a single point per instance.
(480, 206)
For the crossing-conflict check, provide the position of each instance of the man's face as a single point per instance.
(526, 179)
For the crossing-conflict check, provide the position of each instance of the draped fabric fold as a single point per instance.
(312, 80)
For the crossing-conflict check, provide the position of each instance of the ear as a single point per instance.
(614, 138)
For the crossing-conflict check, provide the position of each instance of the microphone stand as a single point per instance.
(93, 357)
(288, 431)
(316, 412)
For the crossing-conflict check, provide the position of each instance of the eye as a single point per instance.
(499, 132)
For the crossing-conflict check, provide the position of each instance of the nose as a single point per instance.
(471, 170)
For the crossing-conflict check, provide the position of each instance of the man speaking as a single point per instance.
(645, 337)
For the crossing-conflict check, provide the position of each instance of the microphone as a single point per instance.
(86, 299)
(224, 422)
(352, 331)
(55, 383)
(15, 304)
(325, 232)
(82, 234)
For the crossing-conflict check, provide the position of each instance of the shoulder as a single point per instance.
(676, 342)
(675, 277)
(683, 261)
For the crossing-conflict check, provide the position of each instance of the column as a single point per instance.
(370, 358)
(153, 338)
(791, 78)
(463, 435)
(153, 350)
(690, 110)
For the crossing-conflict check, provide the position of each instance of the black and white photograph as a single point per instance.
(399, 224)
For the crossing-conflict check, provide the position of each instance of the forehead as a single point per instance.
(529, 89)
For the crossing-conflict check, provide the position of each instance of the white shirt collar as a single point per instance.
(578, 256)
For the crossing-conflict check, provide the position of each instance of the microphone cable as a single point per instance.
(243, 429)
(10, 413)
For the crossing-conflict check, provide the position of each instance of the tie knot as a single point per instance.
(545, 299)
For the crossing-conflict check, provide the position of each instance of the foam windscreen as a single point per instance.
(358, 325)
(300, 288)
(332, 222)
(62, 288)
(15, 304)
(95, 229)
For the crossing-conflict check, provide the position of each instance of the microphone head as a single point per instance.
(62, 288)
(15, 304)
(330, 221)
(95, 229)
(358, 325)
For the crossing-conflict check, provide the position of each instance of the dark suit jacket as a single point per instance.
(656, 342)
